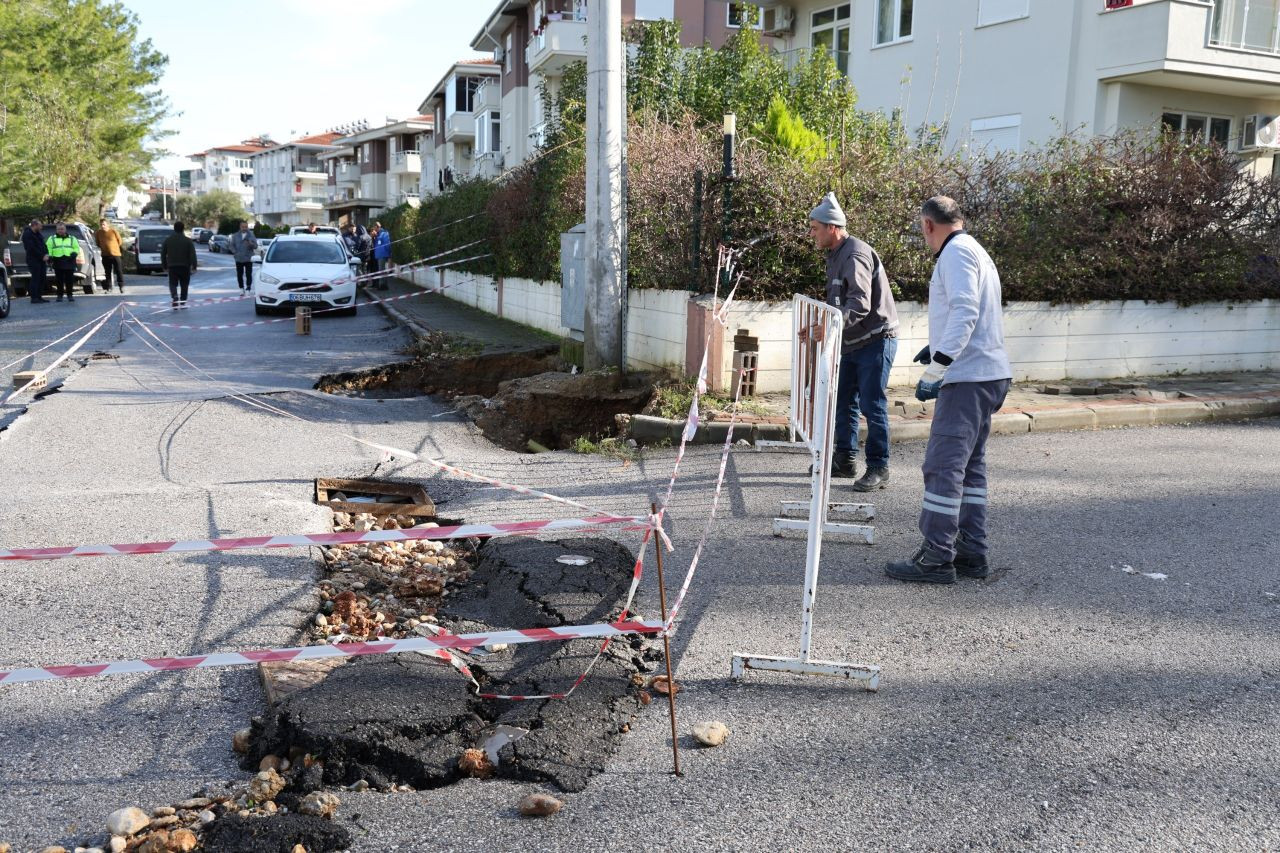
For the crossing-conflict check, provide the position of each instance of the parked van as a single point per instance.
(146, 248)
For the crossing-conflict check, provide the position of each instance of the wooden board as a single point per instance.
(414, 499)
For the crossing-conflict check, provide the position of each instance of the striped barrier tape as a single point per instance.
(239, 543)
(395, 268)
(66, 355)
(439, 646)
(219, 326)
(52, 344)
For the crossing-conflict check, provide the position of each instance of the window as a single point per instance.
(495, 131)
(734, 13)
(996, 134)
(999, 11)
(1200, 128)
(1246, 24)
(829, 31)
(506, 54)
(893, 20)
(464, 93)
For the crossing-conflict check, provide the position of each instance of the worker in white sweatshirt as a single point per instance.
(968, 373)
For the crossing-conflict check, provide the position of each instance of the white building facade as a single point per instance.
(290, 182)
(227, 167)
(1004, 74)
(467, 92)
(376, 169)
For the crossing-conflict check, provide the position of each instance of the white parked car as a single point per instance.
(306, 269)
(147, 241)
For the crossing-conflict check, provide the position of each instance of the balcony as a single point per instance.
(308, 168)
(310, 201)
(461, 126)
(407, 162)
(347, 174)
(558, 44)
(1193, 46)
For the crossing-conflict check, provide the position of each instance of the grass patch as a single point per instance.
(672, 400)
(613, 447)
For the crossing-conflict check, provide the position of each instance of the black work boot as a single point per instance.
(925, 566)
(875, 478)
(971, 565)
(844, 466)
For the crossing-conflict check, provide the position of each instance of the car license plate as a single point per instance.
(304, 297)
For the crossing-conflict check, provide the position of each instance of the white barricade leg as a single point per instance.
(814, 379)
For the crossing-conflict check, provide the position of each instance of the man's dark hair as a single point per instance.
(241, 222)
(942, 210)
(179, 227)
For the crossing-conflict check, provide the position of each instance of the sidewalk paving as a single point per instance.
(1030, 406)
(432, 312)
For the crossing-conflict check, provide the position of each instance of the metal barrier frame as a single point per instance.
(815, 369)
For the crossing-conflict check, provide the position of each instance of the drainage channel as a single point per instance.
(410, 722)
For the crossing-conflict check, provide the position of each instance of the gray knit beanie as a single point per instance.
(828, 211)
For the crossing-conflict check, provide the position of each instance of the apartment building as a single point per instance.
(531, 43)
(1003, 74)
(226, 167)
(374, 169)
(290, 181)
(465, 106)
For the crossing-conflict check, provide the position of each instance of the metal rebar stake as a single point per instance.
(666, 645)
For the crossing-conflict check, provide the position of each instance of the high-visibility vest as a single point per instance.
(62, 247)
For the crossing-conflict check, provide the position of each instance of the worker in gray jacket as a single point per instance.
(858, 285)
(243, 244)
(968, 372)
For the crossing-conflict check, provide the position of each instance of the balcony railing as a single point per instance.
(556, 45)
(1246, 25)
(407, 161)
(308, 166)
(347, 172)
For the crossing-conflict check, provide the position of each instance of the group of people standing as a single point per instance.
(61, 253)
(371, 246)
(967, 372)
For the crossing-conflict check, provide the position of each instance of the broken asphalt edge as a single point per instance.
(399, 316)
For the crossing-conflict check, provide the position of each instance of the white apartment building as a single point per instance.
(999, 74)
(465, 106)
(290, 181)
(532, 41)
(1006, 73)
(375, 169)
(227, 167)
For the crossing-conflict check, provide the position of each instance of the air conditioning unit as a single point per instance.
(779, 19)
(1260, 131)
(499, 54)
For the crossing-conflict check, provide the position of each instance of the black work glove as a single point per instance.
(922, 357)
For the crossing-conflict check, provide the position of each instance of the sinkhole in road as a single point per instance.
(529, 400)
(410, 720)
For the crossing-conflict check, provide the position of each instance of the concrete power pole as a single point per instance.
(606, 206)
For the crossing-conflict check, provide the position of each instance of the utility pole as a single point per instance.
(606, 205)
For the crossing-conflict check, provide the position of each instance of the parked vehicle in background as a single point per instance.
(89, 273)
(146, 248)
(306, 269)
(320, 229)
(201, 235)
(264, 243)
(220, 243)
(4, 284)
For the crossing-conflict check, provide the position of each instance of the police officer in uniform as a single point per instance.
(63, 254)
(968, 373)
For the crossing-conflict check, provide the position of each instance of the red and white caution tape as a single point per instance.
(52, 344)
(314, 311)
(66, 355)
(239, 543)
(441, 643)
(395, 269)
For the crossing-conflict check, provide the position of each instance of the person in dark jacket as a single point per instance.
(33, 244)
(858, 285)
(178, 257)
(366, 247)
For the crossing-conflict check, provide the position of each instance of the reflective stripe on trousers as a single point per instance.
(955, 466)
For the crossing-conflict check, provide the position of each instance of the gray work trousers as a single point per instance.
(955, 467)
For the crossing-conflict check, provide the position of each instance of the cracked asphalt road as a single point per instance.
(1066, 704)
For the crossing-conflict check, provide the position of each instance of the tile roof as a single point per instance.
(317, 139)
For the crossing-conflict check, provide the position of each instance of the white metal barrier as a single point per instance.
(815, 370)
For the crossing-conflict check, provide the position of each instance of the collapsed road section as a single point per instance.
(410, 720)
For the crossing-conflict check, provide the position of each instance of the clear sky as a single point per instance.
(239, 68)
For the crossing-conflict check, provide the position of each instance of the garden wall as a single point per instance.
(1093, 340)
